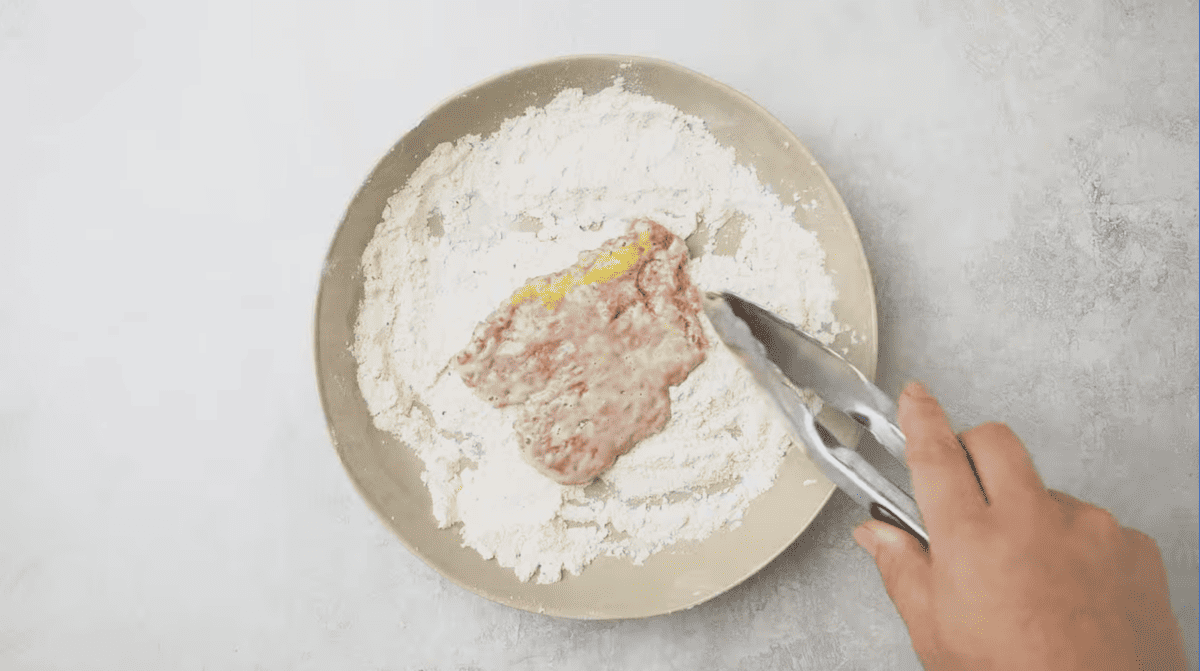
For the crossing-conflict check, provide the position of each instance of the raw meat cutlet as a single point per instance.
(591, 352)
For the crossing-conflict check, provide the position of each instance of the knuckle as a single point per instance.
(932, 453)
(997, 428)
(1069, 503)
(1144, 557)
(1100, 520)
(1142, 543)
(996, 436)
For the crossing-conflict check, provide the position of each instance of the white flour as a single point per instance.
(525, 201)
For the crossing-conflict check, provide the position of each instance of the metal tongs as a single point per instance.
(784, 360)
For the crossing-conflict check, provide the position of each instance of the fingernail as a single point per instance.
(916, 390)
(866, 539)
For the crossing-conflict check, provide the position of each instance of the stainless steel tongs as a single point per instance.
(784, 360)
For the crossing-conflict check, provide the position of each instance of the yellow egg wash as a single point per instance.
(607, 266)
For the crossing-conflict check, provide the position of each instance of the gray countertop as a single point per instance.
(1024, 180)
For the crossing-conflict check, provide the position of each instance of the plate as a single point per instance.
(387, 473)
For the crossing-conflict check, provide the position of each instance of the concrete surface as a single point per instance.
(1025, 181)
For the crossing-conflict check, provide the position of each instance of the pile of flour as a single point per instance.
(484, 214)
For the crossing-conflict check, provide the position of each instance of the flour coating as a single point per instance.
(483, 214)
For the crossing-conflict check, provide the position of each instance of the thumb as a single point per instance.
(904, 567)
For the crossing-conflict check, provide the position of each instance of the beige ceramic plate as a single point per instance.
(387, 472)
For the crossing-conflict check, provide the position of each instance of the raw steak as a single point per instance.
(591, 351)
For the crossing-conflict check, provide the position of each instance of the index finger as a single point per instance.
(944, 484)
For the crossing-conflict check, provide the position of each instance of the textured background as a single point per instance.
(1024, 179)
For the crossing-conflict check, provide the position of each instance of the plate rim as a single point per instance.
(322, 383)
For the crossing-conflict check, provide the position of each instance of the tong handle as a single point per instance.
(837, 382)
(885, 501)
(879, 423)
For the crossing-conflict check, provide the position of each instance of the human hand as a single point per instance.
(1025, 578)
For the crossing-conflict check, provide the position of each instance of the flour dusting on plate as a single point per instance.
(482, 215)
